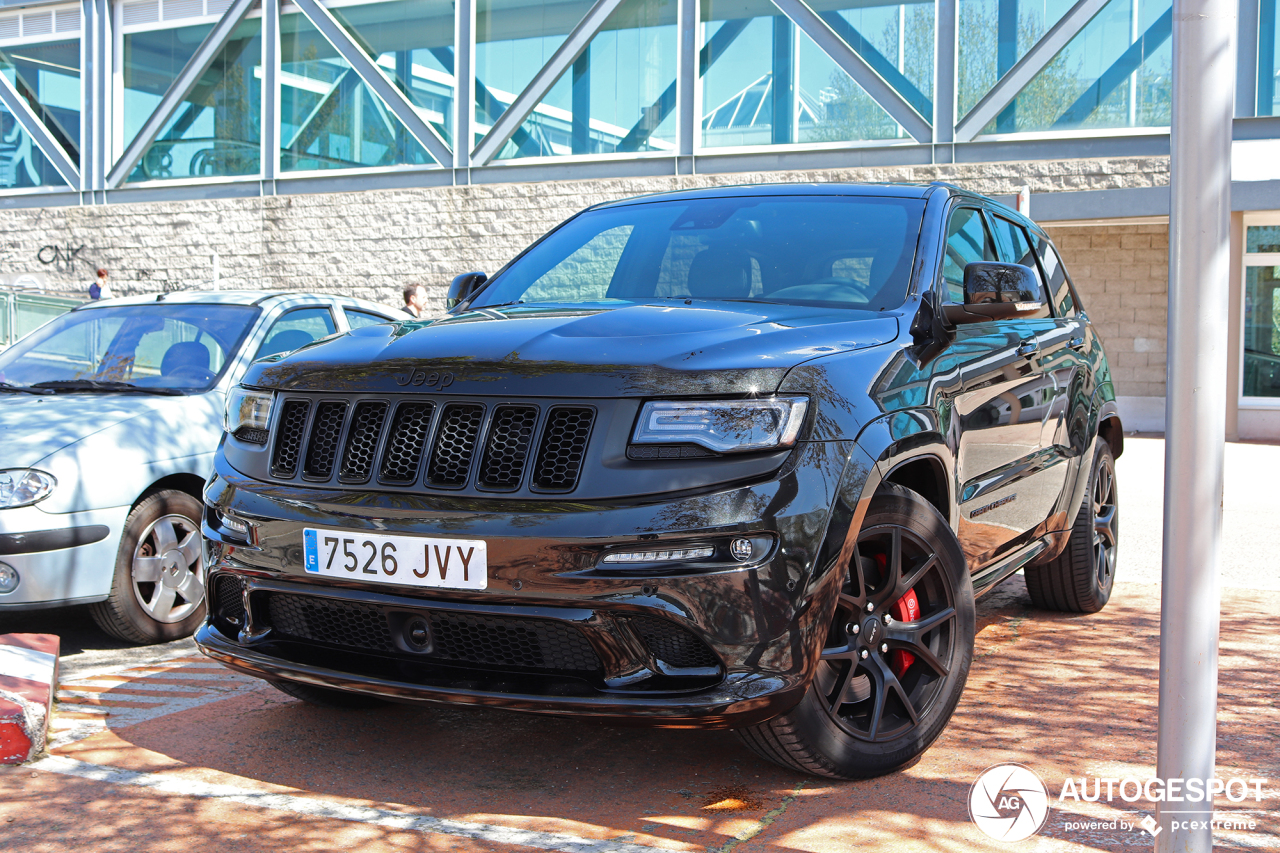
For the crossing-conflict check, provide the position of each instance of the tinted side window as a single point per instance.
(296, 328)
(1015, 248)
(967, 241)
(1064, 297)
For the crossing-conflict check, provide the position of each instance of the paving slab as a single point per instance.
(1068, 696)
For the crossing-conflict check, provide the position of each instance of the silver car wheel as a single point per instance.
(168, 576)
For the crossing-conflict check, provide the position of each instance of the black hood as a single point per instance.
(707, 347)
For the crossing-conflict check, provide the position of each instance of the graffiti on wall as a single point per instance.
(61, 258)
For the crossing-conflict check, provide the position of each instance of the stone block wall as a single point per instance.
(370, 244)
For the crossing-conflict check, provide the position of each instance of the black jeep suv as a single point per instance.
(739, 458)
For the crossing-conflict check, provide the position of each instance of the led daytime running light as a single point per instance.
(669, 556)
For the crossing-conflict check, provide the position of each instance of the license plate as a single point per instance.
(410, 560)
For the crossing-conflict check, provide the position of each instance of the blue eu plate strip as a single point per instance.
(312, 553)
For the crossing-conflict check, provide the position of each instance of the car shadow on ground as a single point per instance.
(1066, 695)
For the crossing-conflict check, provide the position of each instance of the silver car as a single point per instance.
(109, 419)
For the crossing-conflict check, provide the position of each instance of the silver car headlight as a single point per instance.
(24, 487)
(248, 414)
(724, 426)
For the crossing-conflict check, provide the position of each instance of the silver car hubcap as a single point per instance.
(167, 577)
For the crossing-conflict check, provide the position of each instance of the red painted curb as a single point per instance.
(28, 678)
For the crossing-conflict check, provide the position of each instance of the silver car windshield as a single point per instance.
(837, 251)
(151, 346)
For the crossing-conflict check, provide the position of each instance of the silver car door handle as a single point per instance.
(1076, 343)
(1029, 347)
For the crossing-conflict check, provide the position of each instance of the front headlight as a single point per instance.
(24, 487)
(724, 426)
(248, 414)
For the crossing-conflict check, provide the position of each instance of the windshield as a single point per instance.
(154, 345)
(853, 252)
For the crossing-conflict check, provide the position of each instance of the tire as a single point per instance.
(869, 712)
(157, 591)
(1080, 579)
(327, 697)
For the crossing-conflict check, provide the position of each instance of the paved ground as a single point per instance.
(166, 751)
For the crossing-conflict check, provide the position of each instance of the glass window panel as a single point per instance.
(993, 36)
(1262, 238)
(329, 118)
(217, 129)
(585, 275)
(1268, 59)
(514, 39)
(1116, 72)
(1063, 295)
(412, 43)
(895, 40)
(357, 319)
(296, 328)
(619, 95)
(1262, 332)
(765, 82)
(150, 62)
(21, 163)
(967, 241)
(47, 75)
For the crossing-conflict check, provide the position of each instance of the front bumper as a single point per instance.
(717, 647)
(61, 558)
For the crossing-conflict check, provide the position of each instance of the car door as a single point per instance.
(998, 408)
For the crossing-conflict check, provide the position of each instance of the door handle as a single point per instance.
(1029, 347)
(1076, 343)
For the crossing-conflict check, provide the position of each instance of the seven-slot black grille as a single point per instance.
(293, 421)
(563, 446)
(455, 445)
(326, 429)
(442, 446)
(362, 442)
(507, 449)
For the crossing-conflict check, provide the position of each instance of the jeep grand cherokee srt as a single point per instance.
(739, 458)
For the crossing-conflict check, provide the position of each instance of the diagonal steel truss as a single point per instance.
(926, 120)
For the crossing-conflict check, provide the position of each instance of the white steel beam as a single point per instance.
(526, 101)
(179, 89)
(1204, 71)
(898, 108)
(369, 72)
(1026, 68)
(688, 129)
(944, 74)
(270, 122)
(40, 135)
(464, 88)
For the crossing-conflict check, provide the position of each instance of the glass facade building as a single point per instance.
(104, 96)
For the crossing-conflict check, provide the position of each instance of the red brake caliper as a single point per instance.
(907, 609)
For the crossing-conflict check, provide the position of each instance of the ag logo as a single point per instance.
(1009, 802)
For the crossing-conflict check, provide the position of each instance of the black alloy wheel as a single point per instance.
(1080, 578)
(896, 655)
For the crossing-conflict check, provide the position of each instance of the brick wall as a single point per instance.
(1122, 273)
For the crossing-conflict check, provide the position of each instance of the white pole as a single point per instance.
(1204, 62)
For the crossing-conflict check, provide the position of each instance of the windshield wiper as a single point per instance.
(109, 386)
(23, 389)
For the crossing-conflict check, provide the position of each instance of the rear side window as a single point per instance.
(356, 319)
(1015, 248)
(967, 241)
(1063, 295)
(296, 328)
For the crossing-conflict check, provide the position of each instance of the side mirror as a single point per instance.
(995, 291)
(463, 286)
